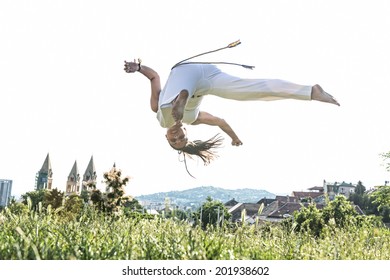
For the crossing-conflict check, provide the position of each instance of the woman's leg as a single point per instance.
(231, 87)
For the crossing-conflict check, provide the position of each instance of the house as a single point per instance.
(286, 198)
(317, 189)
(317, 197)
(266, 201)
(333, 189)
(251, 210)
(284, 206)
(305, 195)
(229, 204)
(287, 210)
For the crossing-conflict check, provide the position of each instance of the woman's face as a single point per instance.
(177, 136)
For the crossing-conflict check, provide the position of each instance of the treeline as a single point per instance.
(374, 201)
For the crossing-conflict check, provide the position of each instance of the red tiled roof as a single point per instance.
(301, 195)
(290, 208)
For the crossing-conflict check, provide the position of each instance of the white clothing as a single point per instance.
(207, 79)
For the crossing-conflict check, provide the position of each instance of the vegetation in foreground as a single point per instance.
(109, 226)
(93, 235)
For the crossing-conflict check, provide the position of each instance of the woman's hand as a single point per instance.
(207, 118)
(236, 142)
(131, 67)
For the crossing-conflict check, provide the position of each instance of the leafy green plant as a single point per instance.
(309, 219)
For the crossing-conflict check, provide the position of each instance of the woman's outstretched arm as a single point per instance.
(207, 118)
(152, 75)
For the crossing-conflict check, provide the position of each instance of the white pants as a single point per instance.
(206, 79)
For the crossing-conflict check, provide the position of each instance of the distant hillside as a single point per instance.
(196, 196)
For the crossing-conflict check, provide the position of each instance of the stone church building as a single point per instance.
(74, 184)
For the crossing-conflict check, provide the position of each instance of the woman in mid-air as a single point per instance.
(189, 82)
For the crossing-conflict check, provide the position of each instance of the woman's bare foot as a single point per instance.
(178, 105)
(317, 93)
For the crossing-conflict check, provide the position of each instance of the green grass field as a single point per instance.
(93, 236)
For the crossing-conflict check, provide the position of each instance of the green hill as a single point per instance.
(196, 196)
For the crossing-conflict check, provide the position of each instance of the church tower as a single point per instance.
(44, 178)
(73, 183)
(89, 174)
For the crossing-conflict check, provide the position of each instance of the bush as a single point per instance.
(339, 213)
(309, 219)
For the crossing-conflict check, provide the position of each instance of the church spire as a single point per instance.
(73, 183)
(46, 166)
(89, 174)
(44, 177)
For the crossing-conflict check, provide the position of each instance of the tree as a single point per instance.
(309, 219)
(35, 197)
(360, 189)
(91, 195)
(362, 199)
(212, 212)
(17, 208)
(88, 188)
(115, 189)
(386, 159)
(97, 199)
(381, 197)
(177, 213)
(385, 213)
(180, 214)
(340, 210)
(132, 204)
(73, 207)
(53, 197)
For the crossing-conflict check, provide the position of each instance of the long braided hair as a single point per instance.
(205, 150)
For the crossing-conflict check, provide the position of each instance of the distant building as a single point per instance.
(333, 189)
(89, 174)
(44, 179)
(286, 198)
(282, 207)
(266, 201)
(285, 210)
(251, 210)
(5, 192)
(73, 182)
(300, 196)
(230, 203)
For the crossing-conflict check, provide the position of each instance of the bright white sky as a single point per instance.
(63, 90)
